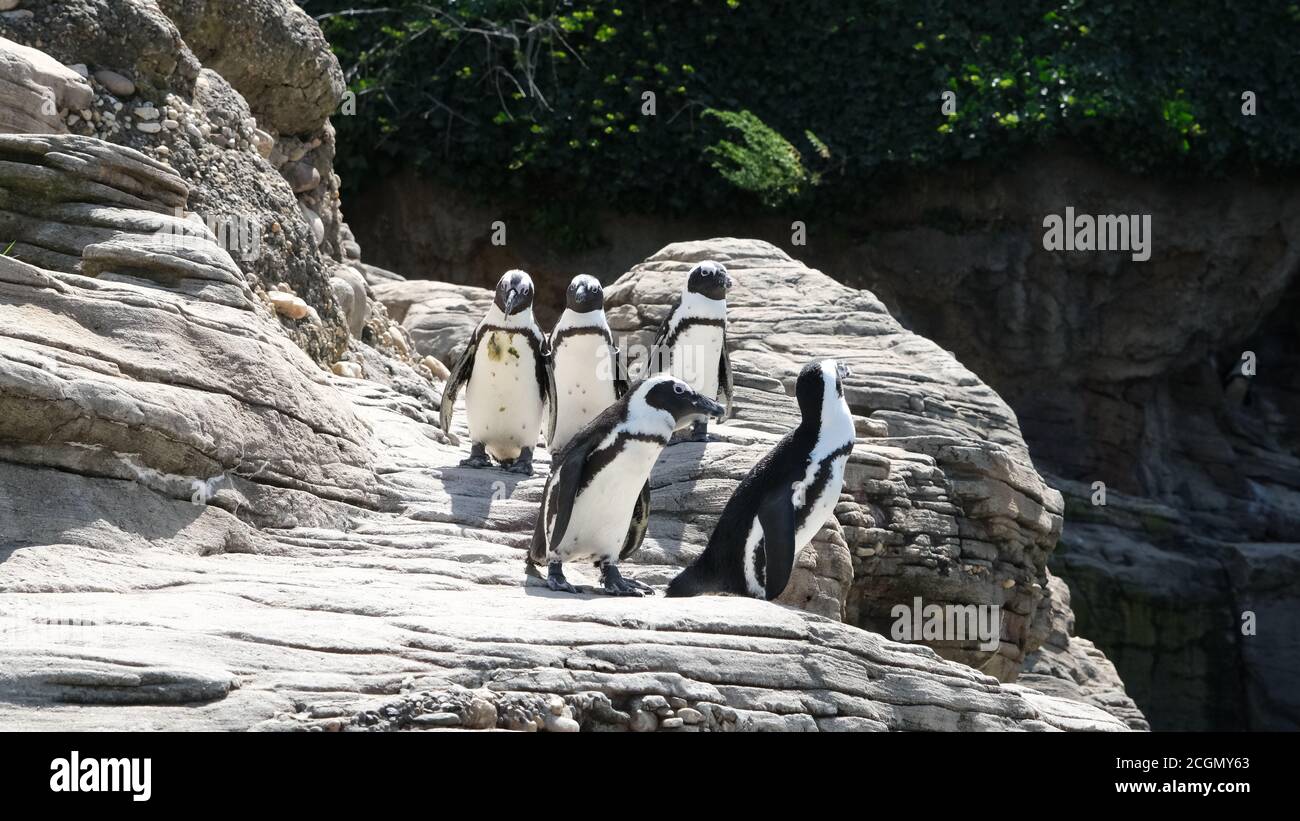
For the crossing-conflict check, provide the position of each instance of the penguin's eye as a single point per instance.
(679, 388)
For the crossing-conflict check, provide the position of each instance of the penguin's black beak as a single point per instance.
(730, 283)
(707, 406)
(512, 301)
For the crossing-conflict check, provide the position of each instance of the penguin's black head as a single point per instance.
(670, 394)
(810, 389)
(514, 292)
(585, 295)
(709, 279)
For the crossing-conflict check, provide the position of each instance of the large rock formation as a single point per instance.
(941, 500)
(1117, 370)
(244, 539)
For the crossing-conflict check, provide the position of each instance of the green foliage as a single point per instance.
(542, 99)
(766, 165)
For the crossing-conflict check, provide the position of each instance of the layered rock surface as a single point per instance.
(201, 528)
(941, 499)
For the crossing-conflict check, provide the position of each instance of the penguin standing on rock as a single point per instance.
(783, 501)
(692, 342)
(506, 371)
(596, 503)
(588, 367)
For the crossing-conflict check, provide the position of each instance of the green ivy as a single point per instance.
(542, 99)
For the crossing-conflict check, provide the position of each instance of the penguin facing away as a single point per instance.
(507, 376)
(596, 503)
(692, 341)
(588, 367)
(784, 499)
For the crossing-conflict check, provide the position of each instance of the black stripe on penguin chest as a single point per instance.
(813, 491)
(604, 458)
(568, 333)
(690, 322)
(534, 345)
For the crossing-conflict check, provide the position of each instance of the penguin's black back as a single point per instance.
(720, 568)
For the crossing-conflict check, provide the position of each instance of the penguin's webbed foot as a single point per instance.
(556, 581)
(614, 584)
(522, 465)
(478, 457)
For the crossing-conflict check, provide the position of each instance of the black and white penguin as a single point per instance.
(589, 372)
(692, 342)
(596, 503)
(506, 372)
(784, 499)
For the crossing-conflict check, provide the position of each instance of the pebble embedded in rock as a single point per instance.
(435, 365)
(351, 370)
(437, 720)
(149, 128)
(119, 85)
(288, 305)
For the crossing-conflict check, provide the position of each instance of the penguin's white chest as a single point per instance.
(602, 510)
(584, 384)
(503, 400)
(695, 358)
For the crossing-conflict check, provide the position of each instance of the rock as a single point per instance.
(337, 507)
(289, 305)
(147, 112)
(438, 369)
(149, 127)
(351, 370)
(690, 716)
(437, 720)
(35, 88)
(643, 721)
(480, 714)
(301, 176)
(350, 291)
(438, 316)
(9, 5)
(559, 724)
(116, 83)
(279, 62)
(314, 223)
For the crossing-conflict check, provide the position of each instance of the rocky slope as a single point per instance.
(225, 503)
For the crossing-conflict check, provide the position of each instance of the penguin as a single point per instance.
(508, 380)
(784, 499)
(596, 503)
(692, 342)
(589, 370)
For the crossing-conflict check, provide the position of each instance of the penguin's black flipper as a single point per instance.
(637, 527)
(725, 384)
(548, 353)
(659, 349)
(776, 515)
(567, 469)
(458, 377)
(619, 360)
